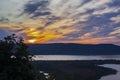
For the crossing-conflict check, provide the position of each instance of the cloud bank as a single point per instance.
(66, 21)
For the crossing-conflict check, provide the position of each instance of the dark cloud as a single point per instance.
(3, 33)
(114, 3)
(100, 20)
(48, 23)
(40, 28)
(73, 35)
(54, 18)
(51, 20)
(2, 19)
(85, 2)
(30, 8)
(103, 23)
(41, 14)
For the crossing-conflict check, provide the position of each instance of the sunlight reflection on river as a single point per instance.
(76, 57)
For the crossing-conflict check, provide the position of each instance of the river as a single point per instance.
(77, 57)
(112, 77)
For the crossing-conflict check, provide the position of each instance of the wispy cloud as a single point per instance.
(116, 19)
(81, 21)
(116, 32)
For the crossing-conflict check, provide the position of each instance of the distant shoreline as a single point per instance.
(73, 49)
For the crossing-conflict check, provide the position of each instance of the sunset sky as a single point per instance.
(62, 21)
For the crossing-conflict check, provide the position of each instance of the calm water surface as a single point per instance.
(76, 57)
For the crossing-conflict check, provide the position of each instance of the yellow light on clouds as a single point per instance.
(32, 41)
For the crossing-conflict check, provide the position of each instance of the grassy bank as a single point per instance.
(76, 70)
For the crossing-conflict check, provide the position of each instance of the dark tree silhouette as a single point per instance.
(15, 60)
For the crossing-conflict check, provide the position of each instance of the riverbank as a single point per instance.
(112, 77)
(76, 70)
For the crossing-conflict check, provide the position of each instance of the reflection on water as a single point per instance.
(112, 77)
(76, 57)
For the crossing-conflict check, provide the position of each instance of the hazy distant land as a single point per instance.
(74, 49)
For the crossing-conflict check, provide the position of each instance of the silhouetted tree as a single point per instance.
(15, 60)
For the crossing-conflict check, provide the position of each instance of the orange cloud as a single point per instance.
(88, 41)
(110, 39)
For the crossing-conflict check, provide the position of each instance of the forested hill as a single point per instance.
(74, 49)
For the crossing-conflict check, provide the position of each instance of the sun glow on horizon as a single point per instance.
(32, 41)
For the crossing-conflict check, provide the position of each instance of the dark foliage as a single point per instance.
(15, 60)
